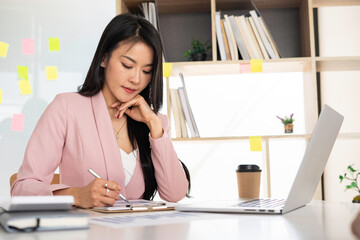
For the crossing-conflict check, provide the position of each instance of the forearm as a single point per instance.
(73, 191)
(155, 127)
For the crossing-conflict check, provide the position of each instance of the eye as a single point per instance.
(126, 66)
(147, 72)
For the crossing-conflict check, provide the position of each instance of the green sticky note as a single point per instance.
(25, 87)
(23, 72)
(54, 44)
(51, 73)
(255, 144)
(3, 49)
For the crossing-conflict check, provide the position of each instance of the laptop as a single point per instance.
(307, 178)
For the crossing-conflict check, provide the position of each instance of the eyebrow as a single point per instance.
(134, 61)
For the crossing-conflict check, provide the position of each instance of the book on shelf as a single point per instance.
(176, 112)
(190, 119)
(231, 39)
(219, 37)
(253, 38)
(241, 44)
(258, 38)
(226, 41)
(182, 115)
(253, 51)
(262, 34)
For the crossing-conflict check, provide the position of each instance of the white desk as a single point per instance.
(318, 220)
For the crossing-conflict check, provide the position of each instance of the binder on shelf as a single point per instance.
(268, 35)
(253, 38)
(191, 122)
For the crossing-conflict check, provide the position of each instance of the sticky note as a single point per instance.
(28, 46)
(0, 95)
(255, 144)
(17, 123)
(54, 44)
(23, 72)
(3, 49)
(256, 65)
(51, 73)
(245, 68)
(167, 68)
(25, 87)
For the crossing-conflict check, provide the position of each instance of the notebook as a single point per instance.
(307, 178)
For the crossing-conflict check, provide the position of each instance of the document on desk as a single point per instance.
(140, 205)
(151, 218)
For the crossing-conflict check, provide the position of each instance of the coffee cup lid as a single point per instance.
(248, 168)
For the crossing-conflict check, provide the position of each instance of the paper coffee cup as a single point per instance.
(248, 179)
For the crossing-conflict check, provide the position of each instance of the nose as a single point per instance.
(135, 78)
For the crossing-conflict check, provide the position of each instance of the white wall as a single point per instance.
(79, 25)
(339, 35)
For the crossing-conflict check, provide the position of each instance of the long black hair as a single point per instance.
(127, 28)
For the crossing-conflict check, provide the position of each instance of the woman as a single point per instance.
(111, 125)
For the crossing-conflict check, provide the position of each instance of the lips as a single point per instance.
(129, 90)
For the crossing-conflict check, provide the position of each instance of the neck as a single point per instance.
(109, 100)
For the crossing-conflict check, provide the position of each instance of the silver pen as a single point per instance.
(97, 176)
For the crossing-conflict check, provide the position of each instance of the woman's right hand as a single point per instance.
(98, 193)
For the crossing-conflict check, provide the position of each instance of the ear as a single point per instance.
(103, 61)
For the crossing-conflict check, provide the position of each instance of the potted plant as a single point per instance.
(288, 123)
(198, 52)
(352, 174)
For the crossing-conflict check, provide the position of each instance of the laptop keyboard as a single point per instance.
(262, 203)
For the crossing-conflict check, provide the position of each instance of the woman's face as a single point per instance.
(128, 71)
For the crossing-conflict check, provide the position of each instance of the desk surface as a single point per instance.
(318, 220)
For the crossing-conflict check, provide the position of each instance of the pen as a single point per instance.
(97, 176)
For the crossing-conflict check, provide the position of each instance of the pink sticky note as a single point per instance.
(28, 46)
(17, 123)
(245, 68)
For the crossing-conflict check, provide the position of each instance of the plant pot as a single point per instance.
(356, 199)
(289, 128)
(199, 56)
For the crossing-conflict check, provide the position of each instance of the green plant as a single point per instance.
(286, 120)
(197, 47)
(352, 175)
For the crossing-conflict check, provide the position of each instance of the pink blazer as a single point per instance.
(75, 133)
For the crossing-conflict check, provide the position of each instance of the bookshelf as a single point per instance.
(300, 58)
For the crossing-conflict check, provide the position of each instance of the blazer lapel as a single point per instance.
(110, 148)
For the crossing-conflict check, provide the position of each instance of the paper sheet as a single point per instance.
(27, 46)
(3, 49)
(147, 218)
(51, 73)
(54, 44)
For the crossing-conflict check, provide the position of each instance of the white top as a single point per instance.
(129, 163)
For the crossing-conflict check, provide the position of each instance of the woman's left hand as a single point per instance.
(138, 109)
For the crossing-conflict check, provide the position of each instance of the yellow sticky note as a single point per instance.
(255, 144)
(0, 95)
(51, 73)
(256, 65)
(54, 44)
(23, 72)
(3, 49)
(167, 68)
(25, 87)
